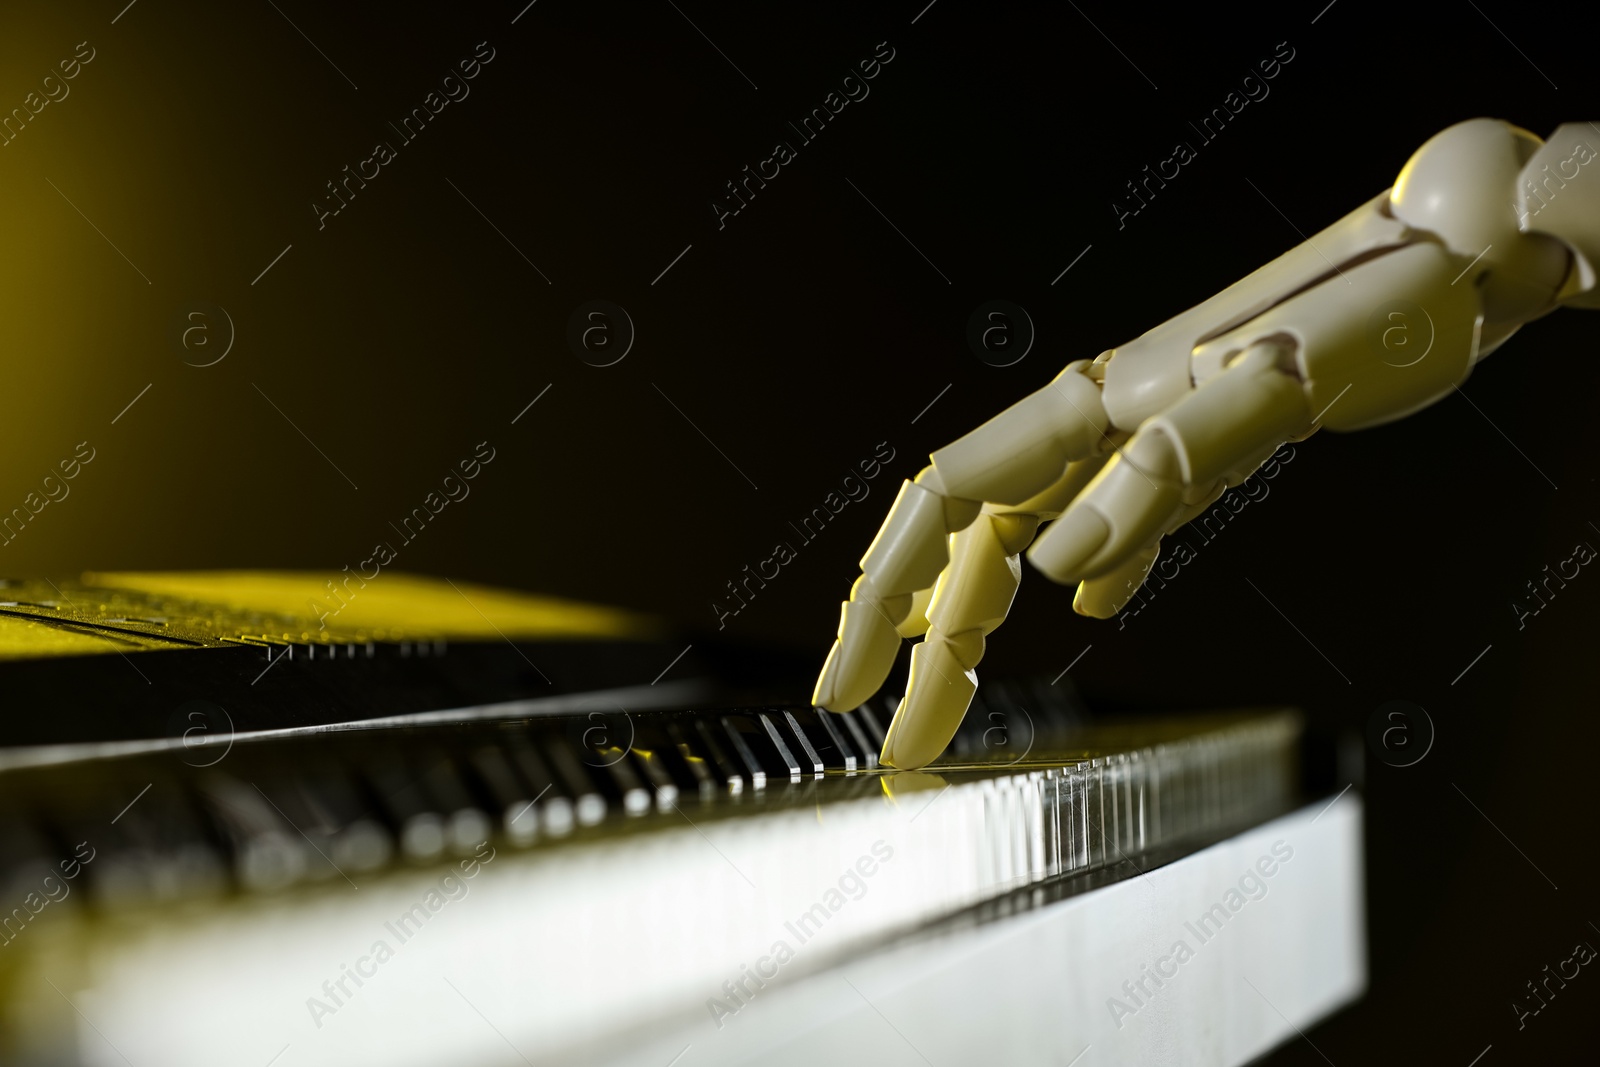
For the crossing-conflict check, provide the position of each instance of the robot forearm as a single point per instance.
(1375, 317)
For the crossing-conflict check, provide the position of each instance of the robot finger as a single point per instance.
(1238, 416)
(1103, 597)
(905, 558)
(971, 599)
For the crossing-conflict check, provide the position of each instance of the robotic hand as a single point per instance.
(1380, 314)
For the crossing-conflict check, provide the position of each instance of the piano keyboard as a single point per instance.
(390, 848)
(270, 815)
(641, 858)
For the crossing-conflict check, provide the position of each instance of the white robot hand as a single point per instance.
(1378, 315)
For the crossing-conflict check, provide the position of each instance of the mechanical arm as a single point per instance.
(1377, 316)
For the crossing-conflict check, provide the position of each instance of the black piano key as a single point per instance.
(757, 732)
(786, 757)
(858, 734)
(837, 753)
(660, 762)
(552, 801)
(697, 765)
(420, 828)
(101, 858)
(466, 826)
(808, 751)
(588, 806)
(720, 756)
(360, 841)
(866, 714)
(613, 761)
(653, 764)
(268, 854)
(753, 769)
(291, 802)
(518, 820)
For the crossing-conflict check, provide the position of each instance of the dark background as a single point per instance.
(808, 330)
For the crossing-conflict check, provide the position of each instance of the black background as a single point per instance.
(806, 331)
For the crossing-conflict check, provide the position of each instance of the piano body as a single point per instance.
(463, 825)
